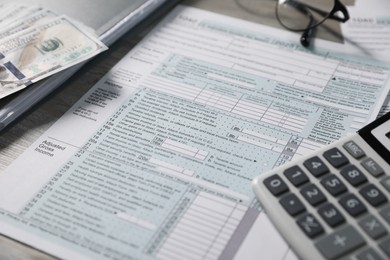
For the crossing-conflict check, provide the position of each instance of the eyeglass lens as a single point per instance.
(299, 15)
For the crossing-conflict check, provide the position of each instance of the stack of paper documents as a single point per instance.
(156, 160)
(36, 42)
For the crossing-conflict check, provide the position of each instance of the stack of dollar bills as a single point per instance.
(36, 43)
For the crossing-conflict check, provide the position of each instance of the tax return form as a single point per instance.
(156, 160)
(369, 28)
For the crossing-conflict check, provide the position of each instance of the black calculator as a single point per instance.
(335, 203)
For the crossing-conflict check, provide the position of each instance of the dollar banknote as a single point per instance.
(11, 13)
(41, 45)
(34, 18)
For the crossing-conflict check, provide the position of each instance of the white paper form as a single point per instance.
(156, 160)
(369, 28)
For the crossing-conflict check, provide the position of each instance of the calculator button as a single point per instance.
(316, 166)
(385, 213)
(369, 254)
(354, 149)
(352, 205)
(373, 195)
(312, 194)
(385, 246)
(333, 184)
(335, 157)
(331, 215)
(309, 224)
(292, 204)
(296, 176)
(353, 175)
(373, 227)
(275, 185)
(386, 183)
(340, 243)
(372, 167)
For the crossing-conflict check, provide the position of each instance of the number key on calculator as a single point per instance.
(334, 204)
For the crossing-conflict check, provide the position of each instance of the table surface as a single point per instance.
(25, 131)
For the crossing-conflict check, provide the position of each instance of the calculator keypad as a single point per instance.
(313, 195)
(333, 185)
(316, 166)
(346, 180)
(331, 215)
(292, 204)
(335, 157)
(372, 167)
(340, 242)
(276, 185)
(310, 225)
(385, 246)
(369, 254)
(373, 195)
(354, 149)
(353, 175)
(296, 176)
(386, 183)
(352, 205)
(373, 227)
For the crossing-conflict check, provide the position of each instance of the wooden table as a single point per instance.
(24, 132)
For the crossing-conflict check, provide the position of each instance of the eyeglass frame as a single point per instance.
(308, 31)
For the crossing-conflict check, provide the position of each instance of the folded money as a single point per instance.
(40, 47)
(32, 19)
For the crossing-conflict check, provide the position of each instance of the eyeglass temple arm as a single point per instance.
(337, 7)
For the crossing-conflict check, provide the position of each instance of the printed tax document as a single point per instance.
(156, 160)
(369, 28)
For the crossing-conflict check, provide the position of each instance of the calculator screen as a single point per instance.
(377, 135)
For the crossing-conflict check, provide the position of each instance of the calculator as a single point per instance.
(334, 203)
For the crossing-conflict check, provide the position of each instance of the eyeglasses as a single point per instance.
(305, 15)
